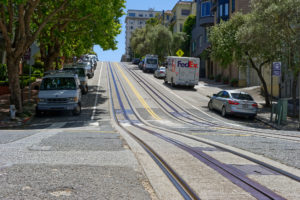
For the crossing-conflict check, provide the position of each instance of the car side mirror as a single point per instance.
(214, 95)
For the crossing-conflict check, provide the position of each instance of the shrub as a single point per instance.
(234, 82)
(225, 80)
(211, 78)
(218, 78)
(3, 72)
(38, 65)
(3, 83)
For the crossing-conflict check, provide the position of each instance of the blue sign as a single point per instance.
(276, 69)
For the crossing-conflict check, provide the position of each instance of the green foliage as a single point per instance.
(187, 29)
(3, 83)
(218, 78)
(234, 82)
(3, 72)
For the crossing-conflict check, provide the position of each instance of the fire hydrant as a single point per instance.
(12, 111)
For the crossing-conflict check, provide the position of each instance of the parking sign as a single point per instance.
(276, 69)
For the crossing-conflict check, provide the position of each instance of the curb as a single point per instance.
(267, 123)
(17, 124)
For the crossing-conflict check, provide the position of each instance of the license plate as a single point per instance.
(245, 106)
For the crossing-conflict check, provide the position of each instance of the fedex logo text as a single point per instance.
(189, 64)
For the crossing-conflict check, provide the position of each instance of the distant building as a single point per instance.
(166, 17)
(136, 19)
(180, 12)
(199, 41)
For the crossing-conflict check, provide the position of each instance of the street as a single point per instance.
(139, 138)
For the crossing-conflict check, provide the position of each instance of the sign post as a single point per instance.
(275, 71)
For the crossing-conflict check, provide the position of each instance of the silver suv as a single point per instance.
(59, 90)
(81, 73)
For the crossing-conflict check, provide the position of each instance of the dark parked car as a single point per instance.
(231, 102)
(136, 61)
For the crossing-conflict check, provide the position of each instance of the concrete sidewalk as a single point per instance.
(209, 87)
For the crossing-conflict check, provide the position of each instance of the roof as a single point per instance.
(59, 73)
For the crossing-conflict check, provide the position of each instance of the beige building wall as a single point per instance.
(180, 14)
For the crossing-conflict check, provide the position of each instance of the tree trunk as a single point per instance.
(261, 78)
(294, 92)
(14, 82)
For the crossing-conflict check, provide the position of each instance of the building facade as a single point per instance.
(136, 19)
(199, 41)
(180, 12)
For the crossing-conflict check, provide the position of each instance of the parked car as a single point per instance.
(82, 75)
(136, 61)
(141, 64)
(151, 63)
(160, 73)
(232, 102)
(88, 67)
(59, 91)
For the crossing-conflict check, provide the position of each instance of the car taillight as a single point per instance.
(233, 102)
(255, 105)
(161, 72)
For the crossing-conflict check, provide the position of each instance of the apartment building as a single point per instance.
(166, 17)
(180, 12)
(199, 41)
(136, 19)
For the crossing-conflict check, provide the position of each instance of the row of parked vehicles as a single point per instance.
(63, 89)
(185, 71)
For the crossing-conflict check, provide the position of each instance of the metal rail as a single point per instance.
(272, 168)
(177, 181)
(195, 122)
(229, 172)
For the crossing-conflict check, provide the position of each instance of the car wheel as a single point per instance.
(210, 105)
(77, 110)
(38, 112)
(172, 83)
(224, 114)
(252, 117)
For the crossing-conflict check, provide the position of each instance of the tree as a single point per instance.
(187, 28)
(19, 32)
(272, 26)
(229, 45)
(70, 27)
(22, 21)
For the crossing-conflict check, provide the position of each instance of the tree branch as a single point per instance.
(48, 18)
(263, 63)
(29, 12)
(3, 29)
(11, 16)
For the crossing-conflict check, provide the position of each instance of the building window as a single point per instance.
(181, 27)
(226, 12)
(221, 10)
(168, 17)
(205, 9)
(140, 15)
(131, 27)
(131, 14)
(150, 15)
(185, 12)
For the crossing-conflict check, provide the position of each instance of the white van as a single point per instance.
(182, 71)
(151, 63)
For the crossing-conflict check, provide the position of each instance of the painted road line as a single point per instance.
(137, 94)
(222, 134)
(90, 131)
(97, 94)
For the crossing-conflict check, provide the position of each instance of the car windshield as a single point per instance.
(78, 71)
(242, 96)
(162, 69)
(58, 83)
(151, 61)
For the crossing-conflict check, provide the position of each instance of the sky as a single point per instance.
(116, 55)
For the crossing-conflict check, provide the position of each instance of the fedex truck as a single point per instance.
(182, 71)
